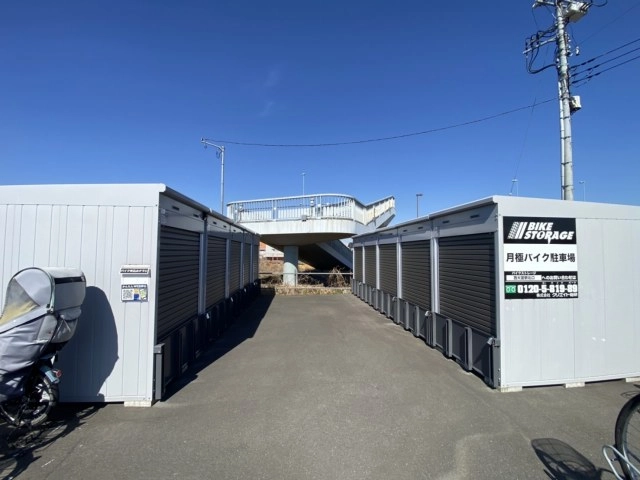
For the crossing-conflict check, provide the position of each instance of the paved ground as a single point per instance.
(324, 387)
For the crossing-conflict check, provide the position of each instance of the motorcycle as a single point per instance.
(40, 316)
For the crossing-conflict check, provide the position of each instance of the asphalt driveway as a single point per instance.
(324, 387)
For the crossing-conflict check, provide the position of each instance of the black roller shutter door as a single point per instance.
(389, 269)
(234, 267)
(416, 273)
(370, 265)
(178, 278)
(256, 261)
(216, 269)
(246, 263)
(467, 280)
(357, 264)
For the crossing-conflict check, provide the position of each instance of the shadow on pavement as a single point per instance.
(19, 447)
(563, 462)
(243, 328)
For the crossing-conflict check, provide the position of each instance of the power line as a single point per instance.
(383, 139)
(575, 67)
(612, 21)
(581, 81)
(591, 69)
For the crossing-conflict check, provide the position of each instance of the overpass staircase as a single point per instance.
(312, 228)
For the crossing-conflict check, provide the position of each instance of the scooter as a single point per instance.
(40, 316)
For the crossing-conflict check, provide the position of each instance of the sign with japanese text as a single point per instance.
(540, 257)
(134, 283)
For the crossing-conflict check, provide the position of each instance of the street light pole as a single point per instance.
(418, 195)
(220, 153)
(584, 190)
(303, 174)
(515, 182)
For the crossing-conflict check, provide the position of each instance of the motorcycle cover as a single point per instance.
(42, 308)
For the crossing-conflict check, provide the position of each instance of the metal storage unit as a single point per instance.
(246, 261)
(235, 266)
(523, 291)
(389, 268)
(358, 277)
(416, 285)
(467, 280)
(388, 278)
(255, 261)
(157, 267)
(467, 292)
(216, 269)
(178, 278)
(370, 274)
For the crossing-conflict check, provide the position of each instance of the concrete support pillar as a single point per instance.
(290, 268)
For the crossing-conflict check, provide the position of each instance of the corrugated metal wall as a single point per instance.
(126, 351)
(389, 268)
(246, 262)
(256, 261)
(111, 332)
(370, 265)
(235, 267)
(467, 280)
(416, 273)
(357, 264)
(216, 269)
(178, 274)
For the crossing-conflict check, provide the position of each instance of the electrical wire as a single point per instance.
(606, 25)
(581, 81)
(575, 67)
(532, 49)
(591, 69)
(382, 139)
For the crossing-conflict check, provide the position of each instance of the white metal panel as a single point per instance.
(99, 228)
(595, 336)
(591, 309)
(8, 259)
(27, 236)
(124, 195)
(111, 356)
(537, 342)
(58, 238)
(115, 338)
(607, 336)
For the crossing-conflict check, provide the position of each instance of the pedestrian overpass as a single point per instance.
(312, 228)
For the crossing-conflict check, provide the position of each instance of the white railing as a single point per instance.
(305, 207)
(375, 209)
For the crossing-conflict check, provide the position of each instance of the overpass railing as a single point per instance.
(304, 207)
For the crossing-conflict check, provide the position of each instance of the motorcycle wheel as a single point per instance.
(33, 408)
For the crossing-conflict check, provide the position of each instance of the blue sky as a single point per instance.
(122, 92)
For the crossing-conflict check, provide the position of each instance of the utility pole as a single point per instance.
(565, 111)
(565, 11)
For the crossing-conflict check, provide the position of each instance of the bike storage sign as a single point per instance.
(540, 257)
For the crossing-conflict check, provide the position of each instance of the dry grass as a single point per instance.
(276, 266)
(271, 279)
(336, 279)
(310, 290)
